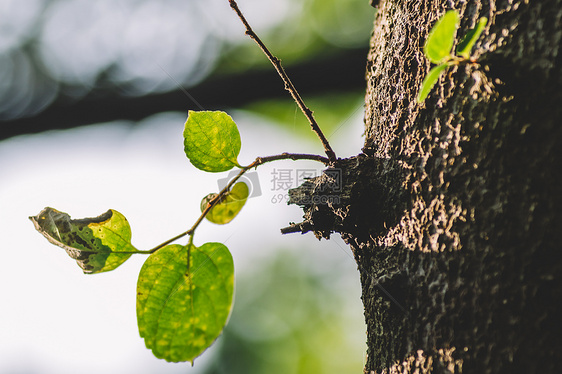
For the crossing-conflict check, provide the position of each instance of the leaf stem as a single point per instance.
(288, 84)
(288, 156)
(258, 161)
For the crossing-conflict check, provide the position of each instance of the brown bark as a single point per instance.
(451, 209)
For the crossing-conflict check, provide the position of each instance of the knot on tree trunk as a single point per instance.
(357, 196)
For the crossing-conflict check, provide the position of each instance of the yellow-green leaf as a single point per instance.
(97, 244)
(440, 41)
(181, 312)
(430, 80)
(211, 141)
(230, 205)
(465, 46)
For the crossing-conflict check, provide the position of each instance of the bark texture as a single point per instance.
(452, 208)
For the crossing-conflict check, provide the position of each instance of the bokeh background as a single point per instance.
(93, 98)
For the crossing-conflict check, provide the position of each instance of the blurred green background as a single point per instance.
(290, 317)
(92, 104)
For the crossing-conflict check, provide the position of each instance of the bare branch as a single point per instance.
(288, 84)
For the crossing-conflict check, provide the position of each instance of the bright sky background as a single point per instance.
(55, 319)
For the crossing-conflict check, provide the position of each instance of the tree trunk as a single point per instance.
(451, 209)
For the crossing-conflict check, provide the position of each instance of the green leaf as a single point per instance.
(230, 205)
(441, 38)
(211, 141)
(180, 315)
(97, 244)
(430, 80)
(465, 46)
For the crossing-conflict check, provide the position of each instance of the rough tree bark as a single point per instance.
(452, 207)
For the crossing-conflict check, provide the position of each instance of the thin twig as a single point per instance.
(290, 156)
(288, 84)
(258, 161)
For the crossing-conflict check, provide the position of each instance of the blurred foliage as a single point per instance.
(292, 317)
(331, 110)
(63, 50)
(313, 28)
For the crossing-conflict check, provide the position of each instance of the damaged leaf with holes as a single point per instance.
(181, 308)
(97, 244)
